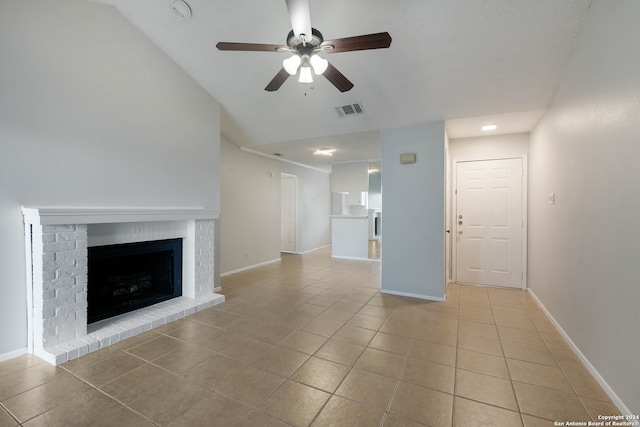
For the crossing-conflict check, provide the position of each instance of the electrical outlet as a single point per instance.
(246, 255)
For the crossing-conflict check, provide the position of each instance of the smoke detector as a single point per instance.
(181, 8)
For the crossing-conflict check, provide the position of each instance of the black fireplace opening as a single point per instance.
(130, 276)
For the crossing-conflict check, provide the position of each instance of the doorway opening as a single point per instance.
(488, 222)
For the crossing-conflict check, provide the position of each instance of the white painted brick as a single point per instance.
(48, 293)
(54, 355)
(82, 262)
(92, 343)
(71, 254)
(71, 348)
(58, 228)
(49, 336)
(81, 297)
(81, 317)
(63, 282)
(48, 238)
(105, 342)
(71, 272)
(59, 246)
(48, 312)
(83, 347)
(65, 236)
(61, 264)
(51, 303)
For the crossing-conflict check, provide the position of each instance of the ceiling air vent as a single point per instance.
(349, 110)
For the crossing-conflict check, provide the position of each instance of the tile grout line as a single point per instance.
(455, 364)
(11, 414)
(504, 356)
(95, 387)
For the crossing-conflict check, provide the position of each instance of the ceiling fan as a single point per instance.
(305, 43)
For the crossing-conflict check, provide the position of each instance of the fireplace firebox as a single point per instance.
(127, 277)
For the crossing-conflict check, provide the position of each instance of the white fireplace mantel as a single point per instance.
(102, 215)
(56, 240)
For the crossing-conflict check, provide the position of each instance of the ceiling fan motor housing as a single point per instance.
(311, 43)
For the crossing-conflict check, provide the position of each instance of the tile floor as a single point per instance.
(311, 341)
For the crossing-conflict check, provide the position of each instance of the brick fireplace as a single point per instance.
(57, 242)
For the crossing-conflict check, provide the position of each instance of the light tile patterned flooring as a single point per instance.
(311, 341)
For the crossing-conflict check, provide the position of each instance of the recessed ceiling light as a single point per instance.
(324, 152)
(488, 127)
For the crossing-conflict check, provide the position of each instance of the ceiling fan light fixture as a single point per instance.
(305, 74)
(291, 64)
(319, 64)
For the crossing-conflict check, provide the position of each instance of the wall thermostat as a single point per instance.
(407, 158)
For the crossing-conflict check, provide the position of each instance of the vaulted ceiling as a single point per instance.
(449, 59)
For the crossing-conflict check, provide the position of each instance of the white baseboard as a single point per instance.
(592, 370)
(227, 273)
(12, 354)
(249, 267)
(407, 294)
(313, 250)
(354, 258)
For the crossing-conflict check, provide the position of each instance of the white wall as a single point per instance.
(375, 190)
(250, 216)
(584, 251)
(413, 211)
(490, 146)
(349, 177)
(91, 114)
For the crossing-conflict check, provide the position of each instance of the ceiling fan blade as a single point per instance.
(253, 47)
(364, 42)
(300, 17)
(277, 81)
(337, 78)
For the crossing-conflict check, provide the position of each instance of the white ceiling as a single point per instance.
(449, 59)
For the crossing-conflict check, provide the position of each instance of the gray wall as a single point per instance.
(413, 211)
(250, 217)
(584, 251)
(91, 114)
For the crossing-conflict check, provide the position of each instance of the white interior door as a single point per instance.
(288, 212)
(489, 222)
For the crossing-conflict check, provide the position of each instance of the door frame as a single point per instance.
(454, 209)
(296, 179)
